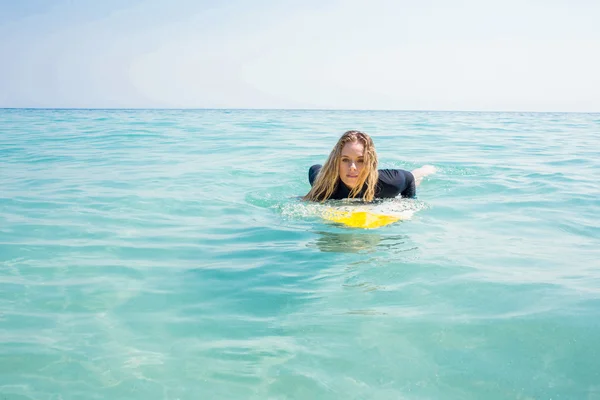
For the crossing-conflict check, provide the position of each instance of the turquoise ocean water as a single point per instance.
(163, 254)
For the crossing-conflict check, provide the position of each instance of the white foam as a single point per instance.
(402, 208)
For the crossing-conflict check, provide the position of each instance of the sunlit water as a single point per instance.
(166, 255)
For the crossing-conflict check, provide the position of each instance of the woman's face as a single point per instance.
(352, 163)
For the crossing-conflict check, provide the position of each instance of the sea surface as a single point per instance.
(164, 254)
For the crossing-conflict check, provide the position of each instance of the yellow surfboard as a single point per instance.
(360, 219)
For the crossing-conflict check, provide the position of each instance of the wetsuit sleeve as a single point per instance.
(313, 172)
(397, 181)
(411, 187)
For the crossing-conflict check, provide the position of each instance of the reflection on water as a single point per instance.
(337, 242)
(343, 242)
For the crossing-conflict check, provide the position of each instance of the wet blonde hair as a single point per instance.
(328, 177)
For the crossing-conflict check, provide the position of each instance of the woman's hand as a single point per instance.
(422, 172)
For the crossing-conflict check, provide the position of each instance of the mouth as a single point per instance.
(352, 176)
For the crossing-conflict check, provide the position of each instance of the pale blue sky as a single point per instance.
(373, 54)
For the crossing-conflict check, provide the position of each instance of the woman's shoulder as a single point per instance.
(312, 172)
(395, 176)
(393, 182)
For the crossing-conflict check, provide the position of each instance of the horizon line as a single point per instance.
(282, 109)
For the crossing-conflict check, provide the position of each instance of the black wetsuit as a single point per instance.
(391, 183)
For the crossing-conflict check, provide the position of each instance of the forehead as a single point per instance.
(353, 149)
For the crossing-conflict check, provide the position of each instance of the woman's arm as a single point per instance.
(422, 172)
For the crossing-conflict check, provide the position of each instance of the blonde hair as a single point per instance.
(327, 179)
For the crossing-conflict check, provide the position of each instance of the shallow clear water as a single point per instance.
(165, 255)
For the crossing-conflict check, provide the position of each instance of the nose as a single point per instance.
(353, 166)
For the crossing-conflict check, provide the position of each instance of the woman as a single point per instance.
(351, 172)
